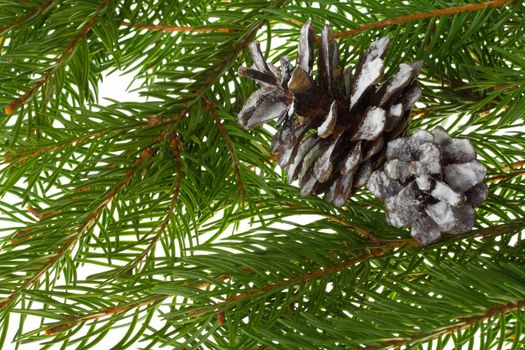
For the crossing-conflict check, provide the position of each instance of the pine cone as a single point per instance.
(431, 183)
(332, 130)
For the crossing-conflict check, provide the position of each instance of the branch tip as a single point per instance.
(9, 109)
(12, 106)
(424, 15)
(461, 324)
(210, 107)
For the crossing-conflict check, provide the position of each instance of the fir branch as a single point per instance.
(374, 251)
(13, 105)
(188, 75)
(176, 145)
(56, 147)
(146, 154)
(378, 24)
(72, 320)
(28, 16)
(210, 107)
(424, 15)
(77, 140)
(103, 313)
(87, 223)
(462, 323)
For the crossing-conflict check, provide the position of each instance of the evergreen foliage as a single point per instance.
(133, 215)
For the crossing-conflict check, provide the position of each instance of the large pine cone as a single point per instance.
(331, 131)
(431, 183)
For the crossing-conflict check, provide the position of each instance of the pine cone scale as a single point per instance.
(371, 73)
(397, 83)
(264, 105)
(371, 125)
(263, 78)
(258, 58)
(463, 176)
(305, 50)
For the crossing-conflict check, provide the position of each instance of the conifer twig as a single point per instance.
(515, 165)
(28, 16)
(373, 251)
(198, 95)
(106, 312)
(378, 251)
(501, 177)
(516, 168)
(151, 122)
(88, 222)
(210, 107)
(462, 323)
(175, 142)
(377, 24)
(12, 106)
(56, 147)
(423, 15)
(72, 320)
(363, 232)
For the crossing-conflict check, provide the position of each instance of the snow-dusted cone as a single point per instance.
(332, 130)
(431, 183)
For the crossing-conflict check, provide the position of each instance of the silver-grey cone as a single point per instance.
(431, 183)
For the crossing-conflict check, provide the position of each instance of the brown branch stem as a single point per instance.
(13, 105)
(423, 15)
(516, 165)
(210, 107)
(502, 177)
(516, 168)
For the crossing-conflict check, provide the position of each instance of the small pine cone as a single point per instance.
(331, 130)
(431, 183)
